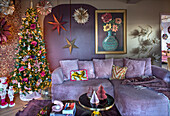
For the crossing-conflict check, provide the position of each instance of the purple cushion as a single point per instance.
(103, 67)
(118, 62)
(148, 69)
(67, 66)
(135, 68)
(88, 65)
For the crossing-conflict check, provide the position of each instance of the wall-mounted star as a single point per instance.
(58, 24)
(70, 45)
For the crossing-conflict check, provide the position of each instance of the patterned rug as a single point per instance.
(34, 106)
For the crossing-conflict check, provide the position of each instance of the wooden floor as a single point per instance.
(19, 105)
(12, 111)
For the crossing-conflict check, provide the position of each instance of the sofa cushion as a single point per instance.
(134, 101)
(135, 68)
(148, 69)
(118, 72)
(79, 75)
(67, 66)
(88, 65)
(70, 90)
(118, 62)
(103, 67)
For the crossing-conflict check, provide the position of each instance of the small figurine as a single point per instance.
(101, 93)
(11, 96)
(58, 106)
(94, 99)
(90, 92)
(3, 86)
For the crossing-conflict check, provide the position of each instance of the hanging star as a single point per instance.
(58, 24)
(70, 45)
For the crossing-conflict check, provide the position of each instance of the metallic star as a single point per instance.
(58, 24)
(70, 45)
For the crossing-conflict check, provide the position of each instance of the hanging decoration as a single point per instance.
(44, 7)
(4, 30)
(81, 15)
(58, 24)
(169, 29)
(165, 36)
(70, 45)
(7, 7)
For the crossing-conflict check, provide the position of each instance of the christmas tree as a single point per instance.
(31, 72)
(101, 93)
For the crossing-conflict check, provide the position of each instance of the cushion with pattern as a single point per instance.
(118, 72)
(79, 75)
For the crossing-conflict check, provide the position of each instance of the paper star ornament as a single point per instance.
(70, 45)
(58, 24)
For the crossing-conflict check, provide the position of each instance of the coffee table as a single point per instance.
(84, 101)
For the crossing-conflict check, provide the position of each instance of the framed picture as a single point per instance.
(110, 32)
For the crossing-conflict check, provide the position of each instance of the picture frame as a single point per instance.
(111, 24)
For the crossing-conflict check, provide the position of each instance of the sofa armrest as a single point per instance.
(161, 73)
(57, 76)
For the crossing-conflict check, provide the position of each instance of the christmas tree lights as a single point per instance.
(31, 72)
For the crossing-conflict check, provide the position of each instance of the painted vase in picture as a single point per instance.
(110, 43)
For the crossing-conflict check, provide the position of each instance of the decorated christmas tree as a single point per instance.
(31, 72)
(101, 93)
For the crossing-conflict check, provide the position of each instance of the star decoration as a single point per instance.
(70, 45)
(58, 24)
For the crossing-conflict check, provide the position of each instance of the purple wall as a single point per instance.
(84, 35)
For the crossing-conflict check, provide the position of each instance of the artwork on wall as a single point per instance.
(70, 45)
(7, 7)
(44, 7)
(58, 24)
(81, 15)
(147, 43)
(4, 30)
(7, 49)
(110, 32)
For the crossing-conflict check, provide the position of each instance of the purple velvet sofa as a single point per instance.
(129, 100)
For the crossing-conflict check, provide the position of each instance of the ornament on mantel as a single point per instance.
(81, 15)
(7, 7)
(4, 30)
(44, 7)
(70, 45)
(58, 24)
(94, 99)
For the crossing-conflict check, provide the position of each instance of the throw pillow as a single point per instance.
(78, 75)
(103, 67)
(135, 68)
(148, 69)
(118, 72)
(88, 65)
(67, 66)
